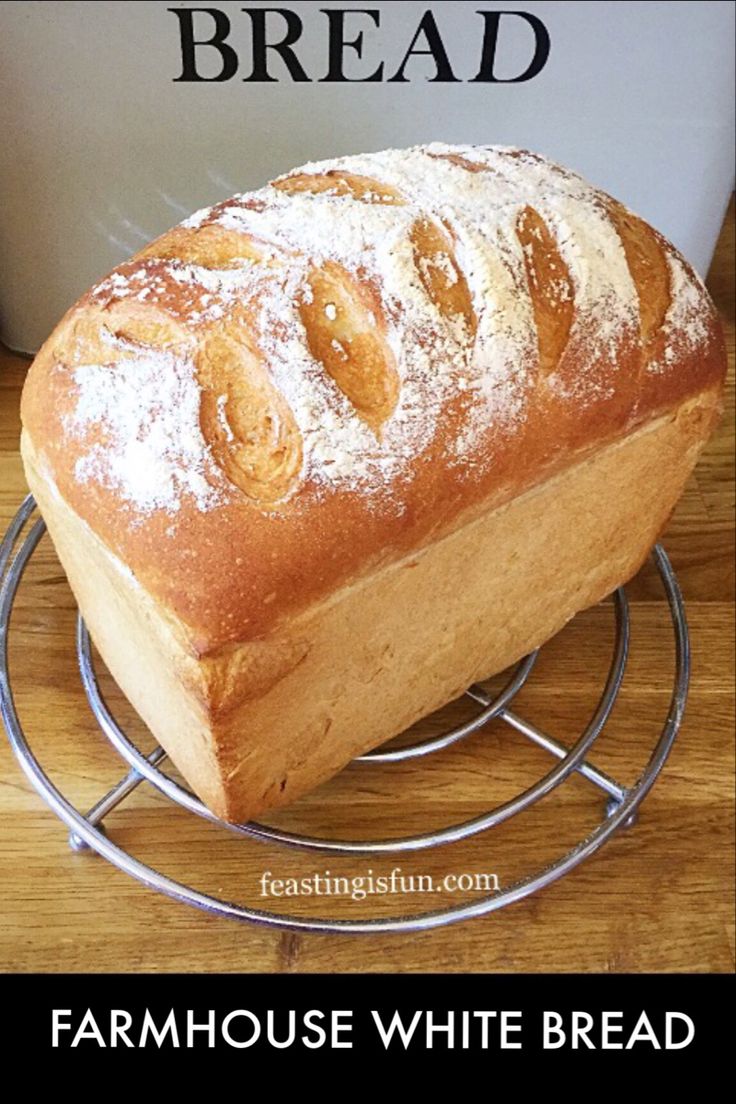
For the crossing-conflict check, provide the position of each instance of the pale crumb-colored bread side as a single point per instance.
(303, 384)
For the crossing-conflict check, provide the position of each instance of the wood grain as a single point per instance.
(659, 896)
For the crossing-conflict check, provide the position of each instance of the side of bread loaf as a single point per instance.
(271, 718)
(333, 449)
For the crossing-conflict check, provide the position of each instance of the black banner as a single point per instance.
(669, 1018)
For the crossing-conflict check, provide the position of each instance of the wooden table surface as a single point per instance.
(658, 896)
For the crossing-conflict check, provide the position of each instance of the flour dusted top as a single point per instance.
(330, 331)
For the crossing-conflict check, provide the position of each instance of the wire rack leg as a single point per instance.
(112, 799)
(599, 778)
(616, 793)
(593, 774)
(612, 807)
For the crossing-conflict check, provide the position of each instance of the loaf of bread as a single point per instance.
(329, 451)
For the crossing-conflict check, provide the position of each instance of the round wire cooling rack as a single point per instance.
(87, 831)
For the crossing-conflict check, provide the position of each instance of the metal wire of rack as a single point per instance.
(87, 830)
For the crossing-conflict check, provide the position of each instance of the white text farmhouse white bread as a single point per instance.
(327, 452)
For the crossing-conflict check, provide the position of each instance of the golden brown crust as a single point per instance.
(272, 532)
